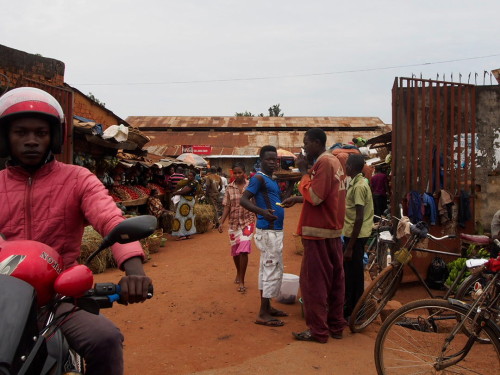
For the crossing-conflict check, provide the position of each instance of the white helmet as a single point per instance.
(30, 101)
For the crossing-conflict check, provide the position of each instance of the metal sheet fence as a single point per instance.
(433, 137)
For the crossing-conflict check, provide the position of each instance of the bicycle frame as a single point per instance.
(413, 241)
(451, 360)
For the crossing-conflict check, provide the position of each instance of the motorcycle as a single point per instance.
(33, 284)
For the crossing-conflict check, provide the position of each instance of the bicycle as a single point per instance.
(384, 286)
(443, 336)
(379, 245)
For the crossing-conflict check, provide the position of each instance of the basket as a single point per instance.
(136, 136)
(204, 215)
(154, 241)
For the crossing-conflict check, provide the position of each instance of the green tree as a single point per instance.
(244, 114)
(91, 96)
(275, 111)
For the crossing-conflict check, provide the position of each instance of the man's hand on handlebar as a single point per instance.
(135, 285)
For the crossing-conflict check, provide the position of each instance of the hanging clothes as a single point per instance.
(464, 213)
(430, 207)
(414, 207)
(445, 203)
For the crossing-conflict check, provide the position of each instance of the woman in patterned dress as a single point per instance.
(241, 224)
(183, 225)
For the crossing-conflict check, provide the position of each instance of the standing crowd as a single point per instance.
(32, 132)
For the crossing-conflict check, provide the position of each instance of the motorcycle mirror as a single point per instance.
(74, 281)
(129, 230)
(133, 229)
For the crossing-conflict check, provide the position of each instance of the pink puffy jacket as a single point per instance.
(53, 206)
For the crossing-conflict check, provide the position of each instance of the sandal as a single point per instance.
(271, 323)
(242, 289)
(306, 336)
(278, 313)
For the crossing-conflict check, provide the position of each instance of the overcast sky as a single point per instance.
(215, 57)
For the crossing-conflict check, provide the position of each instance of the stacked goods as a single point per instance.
(204, 214)
(141, 193)
(144, 190)
(477, 251)
(120, 193)
(90, 242)
(454, 268)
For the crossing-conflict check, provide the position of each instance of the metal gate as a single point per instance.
(433, 138)
(65, 98)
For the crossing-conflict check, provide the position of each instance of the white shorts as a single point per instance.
(270, 244)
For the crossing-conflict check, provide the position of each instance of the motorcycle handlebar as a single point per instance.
(102, 296)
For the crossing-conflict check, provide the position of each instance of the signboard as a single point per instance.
(197, 149)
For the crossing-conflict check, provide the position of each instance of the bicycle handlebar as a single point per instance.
(441, 238)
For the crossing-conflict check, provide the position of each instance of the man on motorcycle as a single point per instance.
(44, 200)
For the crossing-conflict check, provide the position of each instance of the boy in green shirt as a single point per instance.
(358, 225)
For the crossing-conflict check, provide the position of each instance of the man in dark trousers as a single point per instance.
(320, 225)
(358, 226)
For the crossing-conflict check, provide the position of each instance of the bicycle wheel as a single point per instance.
(467, 287)
(375, 297)
(412, 339)
(464, 293)
(377, 258)
(383, 247)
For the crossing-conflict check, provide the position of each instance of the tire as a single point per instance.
(464, 290)
(411, 341)
(375, 297)
(377, 259)
(382, 248)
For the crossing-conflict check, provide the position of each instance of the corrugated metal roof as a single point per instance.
(200, 122)
(240, 143)
(246, 135)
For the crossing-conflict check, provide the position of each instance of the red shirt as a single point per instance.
(323, 190)
(379, 184)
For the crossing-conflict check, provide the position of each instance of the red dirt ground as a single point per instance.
(197, 323)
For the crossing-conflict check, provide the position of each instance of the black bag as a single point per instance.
(437, 274)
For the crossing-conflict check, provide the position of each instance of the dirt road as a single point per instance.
(197, 322)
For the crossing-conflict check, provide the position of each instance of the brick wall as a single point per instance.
(487, 154)
(85, 107)
(19, 65)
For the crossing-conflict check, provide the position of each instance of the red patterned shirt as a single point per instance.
(238, 216)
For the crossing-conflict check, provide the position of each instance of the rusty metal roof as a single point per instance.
(200, 122)
(244, 136)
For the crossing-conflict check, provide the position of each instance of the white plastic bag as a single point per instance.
(118, 132)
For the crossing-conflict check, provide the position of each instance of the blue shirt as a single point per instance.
(274, 193)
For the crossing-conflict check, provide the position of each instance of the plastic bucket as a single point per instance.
(289, 289)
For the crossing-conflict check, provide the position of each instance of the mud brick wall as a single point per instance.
(487, 154)
(19, 65)
(85, 107)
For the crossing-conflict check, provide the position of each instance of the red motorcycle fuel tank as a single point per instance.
(34, 262)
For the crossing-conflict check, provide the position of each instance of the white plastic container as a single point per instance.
(289, 289)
